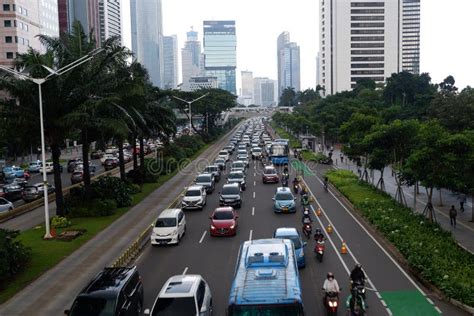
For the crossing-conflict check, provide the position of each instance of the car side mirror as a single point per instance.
(146, 311)
(67, 312)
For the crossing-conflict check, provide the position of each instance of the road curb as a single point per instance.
(397, 255)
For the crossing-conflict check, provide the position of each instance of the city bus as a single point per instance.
(279, 152)
(266, 280)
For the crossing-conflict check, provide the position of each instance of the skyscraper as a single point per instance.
(373, 39)
(247, 85)
(86, 12)
(288, 58)
(220, 58)
(170, 62)
(264, 91)
(48, 17)
(109, 19)
(191, 57)
(20, 25)
(147, 37)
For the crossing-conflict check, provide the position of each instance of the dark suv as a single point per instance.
(114, 291)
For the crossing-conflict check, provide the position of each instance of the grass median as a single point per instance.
(46, 254)
(431, 251)
(294, 142)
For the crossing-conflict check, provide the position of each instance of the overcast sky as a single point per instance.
(447, 28)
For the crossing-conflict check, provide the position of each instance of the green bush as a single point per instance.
(112, 188)
(59, 222)
(311, 156)
(134, 188)
(14, 256)
(428, 248)
(94, 208)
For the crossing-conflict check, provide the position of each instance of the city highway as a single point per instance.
(391, 289)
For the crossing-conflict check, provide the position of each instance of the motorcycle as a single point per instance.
(307, 230)
(305, 201)
(359, 285)
(284, 181)
(295, 188)
(319, 249)
(331, 303)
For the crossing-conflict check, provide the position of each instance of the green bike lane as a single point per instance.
(393, 286)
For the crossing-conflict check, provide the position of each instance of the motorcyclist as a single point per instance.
(305, 199)
(318, 235)
(284, 180)
(285, 169)
(295, 185)
(355, 304)
(326, 181)
(330, 285)
(357, 274)
(306, 217)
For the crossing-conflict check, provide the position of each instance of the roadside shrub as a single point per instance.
(59, 222)
(427, 247)
(14, 256)
(191, 143)
(134, 188)
(95, 208)
(112, 188)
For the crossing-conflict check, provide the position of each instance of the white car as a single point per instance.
(195, 197)
(184, 294)
(49, 167)
(169, 227)
(224, 154)
(5, 205)
(107, 156)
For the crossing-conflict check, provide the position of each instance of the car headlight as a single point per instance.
(213, 227)
(232, 227)
(174, 233)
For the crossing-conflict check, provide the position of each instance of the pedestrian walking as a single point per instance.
(452, 215)
(462, 200)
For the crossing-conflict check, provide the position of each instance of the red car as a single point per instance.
(270, 175)
(224, 222)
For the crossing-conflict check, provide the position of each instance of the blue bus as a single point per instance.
(279, 151)
(266, 281)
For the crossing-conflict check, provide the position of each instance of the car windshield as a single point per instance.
(166, 222)
(257, 150)
(223, 153)
(220, 161)
(237, 165)
(235, 175)
(210, 169)
(222, 215)
(230, 190)
(93, 306)
(30, 190)
(295, 239)
(203, 179)
(269, 171)
(174, 306)
(193, 193)
(283, 196)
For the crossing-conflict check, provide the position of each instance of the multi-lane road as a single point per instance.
(391, 289)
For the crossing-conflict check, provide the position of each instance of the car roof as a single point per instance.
(283, 189)
(195, 187)
(180, 286)
(270, 167)
(224, 209)
(230, 185)
(237, 171)
(109, 281)
(286, 231)
(205, 174)
(169, 212)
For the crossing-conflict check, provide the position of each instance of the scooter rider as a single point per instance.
(357, 274)
(295, 185)
(318, 235)
(355, 304)
(305, 199)
(330, 285)
(306, 217)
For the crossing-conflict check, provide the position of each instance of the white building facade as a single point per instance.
(363, 39)
(247, 85)
(170, 62)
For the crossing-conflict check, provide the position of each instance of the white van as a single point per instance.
(169, 228)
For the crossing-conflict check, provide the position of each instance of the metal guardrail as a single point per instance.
(28, 207)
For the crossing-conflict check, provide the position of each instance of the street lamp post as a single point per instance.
(39, 82)
(189, 106)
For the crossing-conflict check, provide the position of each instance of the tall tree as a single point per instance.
(288, 97)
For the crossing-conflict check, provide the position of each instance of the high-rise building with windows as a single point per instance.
(288, 59)
(147, 37)
(109, 19)
(191, 57)
(264, 91)
(247, 85)
(220, 59)
(170, 62)
(48, 17)
(86, 12)
(367, 39)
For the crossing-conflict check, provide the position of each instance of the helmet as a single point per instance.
(317, 231)
(330, 275)
(358, 265)
(306, 212)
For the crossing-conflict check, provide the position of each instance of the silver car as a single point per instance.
(5, 205)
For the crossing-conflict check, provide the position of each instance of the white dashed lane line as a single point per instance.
(202, 237)
(253, 210)
(250, 234)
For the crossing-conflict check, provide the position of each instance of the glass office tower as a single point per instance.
(220, 58)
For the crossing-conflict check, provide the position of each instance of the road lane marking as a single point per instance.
(254, 194)
(185, 270)
(253, 210)
(250, 235)
(438, 310)
(254, 174)
(254, 183)
(202, 237)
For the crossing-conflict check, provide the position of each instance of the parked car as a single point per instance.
(230, 195)
(214, 170)
(36, 191)
(111, 163)
(11, 192)
(270, 175)
(223, 222)
(284, 201)
(5, 205)
(292, 234)
(105, 157)
(169, 228)
(49, 166)
(237, 177)
(184, 294)
(114, 292)
(207, 181)
(96, 154)
(195, 197)
(71, 164)
(35, 166)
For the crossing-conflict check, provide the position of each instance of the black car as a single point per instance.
(97, 154)
(11, 192)
(71, 164)
(230, 195)
(111, 163)
(114, 291)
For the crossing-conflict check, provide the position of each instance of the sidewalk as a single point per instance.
(464, 231)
